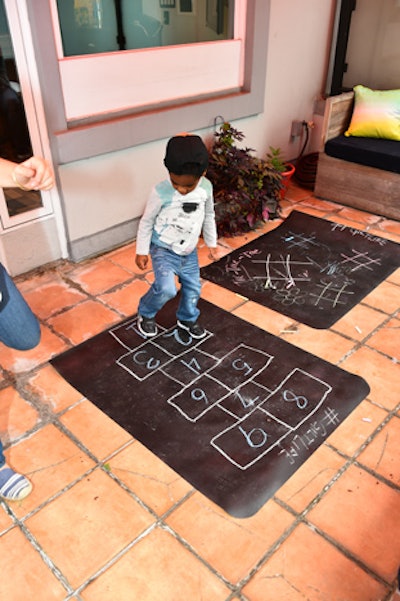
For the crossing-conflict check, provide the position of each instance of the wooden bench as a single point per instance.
(366, 188)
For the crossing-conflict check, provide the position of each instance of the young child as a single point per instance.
(178, 210)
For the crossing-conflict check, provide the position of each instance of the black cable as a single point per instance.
(216, 119)
(307, 128)
(306, 166)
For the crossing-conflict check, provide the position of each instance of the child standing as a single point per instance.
(178, 210)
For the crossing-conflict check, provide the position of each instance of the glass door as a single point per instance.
(18, 121)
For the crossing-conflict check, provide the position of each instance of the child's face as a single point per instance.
(184, 183)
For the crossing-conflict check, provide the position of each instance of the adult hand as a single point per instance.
(33, 174)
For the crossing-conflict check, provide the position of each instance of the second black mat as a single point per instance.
(309, 269)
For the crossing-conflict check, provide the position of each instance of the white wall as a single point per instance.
(298, 54)
(105, 191)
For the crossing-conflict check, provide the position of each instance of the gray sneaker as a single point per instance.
(147, 326)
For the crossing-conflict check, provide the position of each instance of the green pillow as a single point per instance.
(376, 114)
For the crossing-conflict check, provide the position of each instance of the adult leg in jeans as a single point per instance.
(19, 329)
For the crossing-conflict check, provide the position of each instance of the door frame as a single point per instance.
(21, 36)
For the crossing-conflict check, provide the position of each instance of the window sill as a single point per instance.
(87, 139)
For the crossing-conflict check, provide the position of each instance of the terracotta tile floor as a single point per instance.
(108, 521)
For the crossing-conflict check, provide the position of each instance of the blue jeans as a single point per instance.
(19, 328)
(167, 265)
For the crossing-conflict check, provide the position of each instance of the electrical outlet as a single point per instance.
(297, 128)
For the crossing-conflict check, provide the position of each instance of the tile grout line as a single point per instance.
(38, 548)
(115, 558)
(347, 553)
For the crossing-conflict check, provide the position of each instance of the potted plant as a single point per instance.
(246, 188)
(276, 160)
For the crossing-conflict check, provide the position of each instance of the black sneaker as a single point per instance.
(193, 327)
(147, 326)
(183, 336)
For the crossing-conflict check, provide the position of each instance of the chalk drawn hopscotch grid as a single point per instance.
(264, 417)
(266, 426)
(285, 275)
(142, 361)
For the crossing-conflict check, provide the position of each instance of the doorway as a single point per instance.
(15, 140)
(376, 64)
(31, 223)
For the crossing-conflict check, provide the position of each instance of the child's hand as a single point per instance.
(142, 261)
(213, 254)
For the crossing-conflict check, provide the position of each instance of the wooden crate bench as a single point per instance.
(350, 183)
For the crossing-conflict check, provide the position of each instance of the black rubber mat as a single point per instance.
(309, 269)
(235, 413)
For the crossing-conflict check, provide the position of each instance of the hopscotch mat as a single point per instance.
(235, 413)
(309, 269)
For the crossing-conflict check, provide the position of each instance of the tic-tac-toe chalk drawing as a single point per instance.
(235, 413)
(308, 268)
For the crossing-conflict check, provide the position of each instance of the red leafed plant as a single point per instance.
(246, 188)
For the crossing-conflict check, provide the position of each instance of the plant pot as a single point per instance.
(286, 177)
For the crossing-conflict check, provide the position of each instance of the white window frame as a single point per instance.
(170, 74)
(112, 132)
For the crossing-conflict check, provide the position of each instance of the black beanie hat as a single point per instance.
(185, 149)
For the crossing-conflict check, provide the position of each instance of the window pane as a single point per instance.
(87, 26)
(93, 26)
